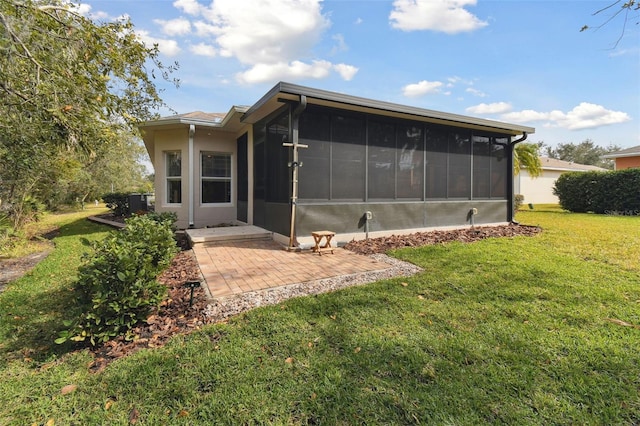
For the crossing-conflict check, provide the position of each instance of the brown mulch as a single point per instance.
(469, 235)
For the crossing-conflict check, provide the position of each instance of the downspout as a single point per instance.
(510, 210)
(295, 164)
(192, 131)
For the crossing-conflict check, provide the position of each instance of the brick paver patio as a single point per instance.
(234, 267)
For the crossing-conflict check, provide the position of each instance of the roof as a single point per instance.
(199, 118)
(287, 91)
(555, 164)
(634, 151)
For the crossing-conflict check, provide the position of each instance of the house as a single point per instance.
(302, 159)
(539, 190)
(626, 159)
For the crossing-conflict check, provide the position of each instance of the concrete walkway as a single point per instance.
(234, 267)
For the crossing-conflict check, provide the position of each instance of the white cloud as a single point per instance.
(448, 16)
(347, 72)
(203, 49)
(295, 70)
(190, 7)
(341, 45)
(476, 92)
(422, 88)
(358, 21)
(166, 46)
(584, 116)
(173, 27)
(273, 38)
(204, 30)
(492, 108)
(85, 10)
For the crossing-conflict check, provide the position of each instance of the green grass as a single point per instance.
(510, 331)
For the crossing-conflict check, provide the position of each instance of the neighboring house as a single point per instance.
(411, 168)
(626, 159)
(539, 190)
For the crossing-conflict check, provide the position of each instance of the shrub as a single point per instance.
(600, 192)
(518, 199)
(117, 286)
(118, 202)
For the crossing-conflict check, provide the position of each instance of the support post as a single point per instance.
(295, 164)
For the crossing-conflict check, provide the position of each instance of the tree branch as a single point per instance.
(24, 47)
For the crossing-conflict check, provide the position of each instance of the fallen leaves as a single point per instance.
(622, 323)
(384, 244)
(68, 389)
(134, 414)
(175, 316)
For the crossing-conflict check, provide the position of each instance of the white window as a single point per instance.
(215, 177)
(173, 161)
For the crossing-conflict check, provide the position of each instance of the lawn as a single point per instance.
(529, 330)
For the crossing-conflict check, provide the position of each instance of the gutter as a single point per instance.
(511, 195)
(192, 131)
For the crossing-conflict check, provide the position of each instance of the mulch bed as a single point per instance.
(175, 316)
(469, 235)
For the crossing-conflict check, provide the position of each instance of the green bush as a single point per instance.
(614, 192)
(118, 202)
(117, 286)
(518, 199)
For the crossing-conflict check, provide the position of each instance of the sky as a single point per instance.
(520, 62)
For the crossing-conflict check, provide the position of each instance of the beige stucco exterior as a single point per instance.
(190, 146)
(539, 190)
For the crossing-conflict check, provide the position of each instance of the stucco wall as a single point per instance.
(627, 162)
(537, 190)
(204, 140)
(171, 140)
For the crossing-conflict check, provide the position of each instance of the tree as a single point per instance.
(526, 155)
(67, 86)
(627, 7)
(586, 152)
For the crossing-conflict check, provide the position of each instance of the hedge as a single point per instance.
(615, 192)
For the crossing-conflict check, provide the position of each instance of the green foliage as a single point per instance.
(586, 152)
(117, 285)
(117, 202)
(526, 155)
(71, 93)
(518, 199)
(614, 192)
(163, 217)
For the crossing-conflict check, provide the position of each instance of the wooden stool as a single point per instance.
(318, 236)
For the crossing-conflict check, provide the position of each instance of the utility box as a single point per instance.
(138, 202)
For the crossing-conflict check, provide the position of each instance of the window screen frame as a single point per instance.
(172, 178)
(229, 178)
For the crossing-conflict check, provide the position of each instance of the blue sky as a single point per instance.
(522, 62)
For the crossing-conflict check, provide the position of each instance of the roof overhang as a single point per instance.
(271, 101)
(626, 154)
(231, 122)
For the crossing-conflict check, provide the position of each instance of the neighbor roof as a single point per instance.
(287, 91)
(634, 151)
(555, 164)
